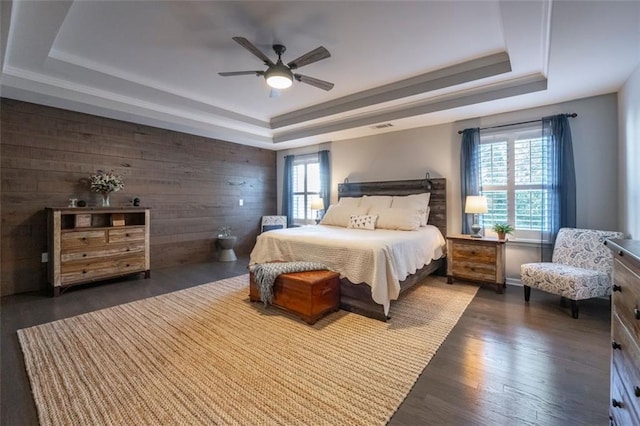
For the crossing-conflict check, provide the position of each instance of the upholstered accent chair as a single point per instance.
(273, 222)
(580, 268)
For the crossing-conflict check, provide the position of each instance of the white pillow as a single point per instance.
(350, 201)
(419, 202)
(338, 215)
(363, 221)
(399, 219)
(375, 203)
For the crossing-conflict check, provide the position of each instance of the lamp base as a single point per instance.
(475, 231)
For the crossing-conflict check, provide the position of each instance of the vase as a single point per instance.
(105, 199)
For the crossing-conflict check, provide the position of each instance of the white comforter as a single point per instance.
(380, 258)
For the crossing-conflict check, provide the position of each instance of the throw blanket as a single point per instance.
(266, 273)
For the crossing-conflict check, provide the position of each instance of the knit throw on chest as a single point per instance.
(265, 275)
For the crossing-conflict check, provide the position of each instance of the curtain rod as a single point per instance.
(572, 115)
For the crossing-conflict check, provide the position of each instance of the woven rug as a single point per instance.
(206, 355)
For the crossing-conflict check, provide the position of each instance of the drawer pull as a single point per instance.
(620, 253)
(616, 345)
(126, 235)
(84, 271)
(326, 291)
(616, 403)
(617, 288)
(636, 391)
(128, 249)
(127, 265)
(84, 254)
(636, 313)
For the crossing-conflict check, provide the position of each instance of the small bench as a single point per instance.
(309, 295)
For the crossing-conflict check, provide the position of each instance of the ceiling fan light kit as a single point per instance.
(278, 75)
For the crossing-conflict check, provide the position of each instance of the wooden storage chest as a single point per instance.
(309, 295)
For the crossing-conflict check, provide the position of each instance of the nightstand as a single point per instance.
(476, 259)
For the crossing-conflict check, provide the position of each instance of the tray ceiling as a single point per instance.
(408, 63)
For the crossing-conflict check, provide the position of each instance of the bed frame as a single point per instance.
(357, 297)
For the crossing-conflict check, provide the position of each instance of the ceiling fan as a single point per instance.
(281, 76)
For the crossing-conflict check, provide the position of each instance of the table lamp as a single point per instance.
(476, 204)
(317, 204)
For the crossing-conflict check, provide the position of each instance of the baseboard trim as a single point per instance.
(514, 281)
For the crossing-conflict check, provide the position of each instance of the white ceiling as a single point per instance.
(412, 63)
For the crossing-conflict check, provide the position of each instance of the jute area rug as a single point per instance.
(206, 355)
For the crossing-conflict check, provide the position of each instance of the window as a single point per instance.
(513, 171)
(306, 187)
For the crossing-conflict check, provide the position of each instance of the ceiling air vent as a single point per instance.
(382, 126)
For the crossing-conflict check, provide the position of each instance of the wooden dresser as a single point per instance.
(624, 408)
(91, 244)
(476, 259)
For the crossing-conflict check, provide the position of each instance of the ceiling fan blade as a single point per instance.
(251, 48)
(315, 55)
(232, 73)
(320, 84)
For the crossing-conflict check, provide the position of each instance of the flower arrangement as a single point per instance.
(105, 182)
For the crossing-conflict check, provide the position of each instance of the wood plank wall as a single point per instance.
(192, 185)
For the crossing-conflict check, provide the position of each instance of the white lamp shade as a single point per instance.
(317, 204)
(476, 204)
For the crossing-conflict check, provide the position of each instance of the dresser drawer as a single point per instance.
(625, 357)
(78, 239)
(623, 406)
(133, 248)
(126, 234)
(477, 253)
(80, 271)
(627, 300)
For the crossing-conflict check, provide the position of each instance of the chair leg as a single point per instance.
(527, 293)
(574, 308)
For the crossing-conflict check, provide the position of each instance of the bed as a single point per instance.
(375, 266)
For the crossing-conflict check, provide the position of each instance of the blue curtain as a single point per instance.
(287, 190)
(561, 176)
(469, 172)
(325, 177)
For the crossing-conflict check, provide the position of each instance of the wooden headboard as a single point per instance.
(436, 186)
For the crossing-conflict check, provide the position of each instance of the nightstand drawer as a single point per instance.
(475, 252)
(475, 271)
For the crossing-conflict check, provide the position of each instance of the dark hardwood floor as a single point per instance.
(504, 363)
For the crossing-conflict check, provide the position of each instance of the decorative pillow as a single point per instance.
(350, 201)
(375, 203)
(338, 215)
(399, 219)
(363, 221)
(414, 201)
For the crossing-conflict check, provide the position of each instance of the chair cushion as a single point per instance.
(566, 281)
